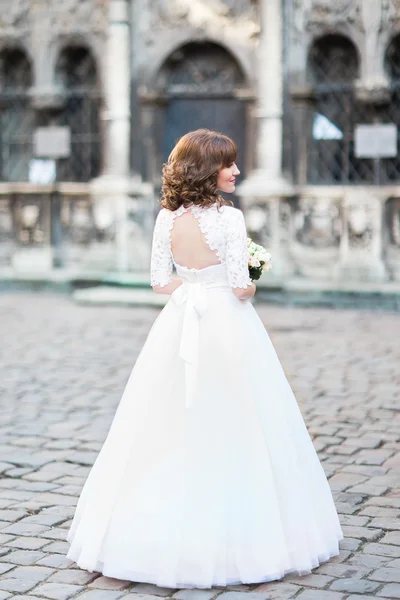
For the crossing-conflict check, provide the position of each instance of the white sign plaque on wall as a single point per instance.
(378, 140)
(52, 142)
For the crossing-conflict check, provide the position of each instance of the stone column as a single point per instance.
(267, 181)
(112, 189)
(117, 90)
(266, 185)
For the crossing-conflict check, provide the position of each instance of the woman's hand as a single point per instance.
(169, 288)
(245, 293)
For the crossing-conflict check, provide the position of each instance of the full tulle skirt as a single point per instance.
(226, 490)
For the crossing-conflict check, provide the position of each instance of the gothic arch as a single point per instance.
(332, 58)
(153, 78)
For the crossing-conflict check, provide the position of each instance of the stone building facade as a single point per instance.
(121, 80)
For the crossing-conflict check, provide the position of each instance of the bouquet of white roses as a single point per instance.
(259, 259)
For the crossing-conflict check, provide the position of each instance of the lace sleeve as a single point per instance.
(236, 252)
(161, 257)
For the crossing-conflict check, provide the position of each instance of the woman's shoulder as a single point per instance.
(232, 213)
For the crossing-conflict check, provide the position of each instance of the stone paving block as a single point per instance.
(29, 529)
(31, 573)
(387, 575)
(369, 489)
(154, 590)
(384, 501)
(387, 523)
(245, 596)
(355, 586)
(382, 550)
(355, 520)
(4, 567)
(109, 583)
(59, 561)
(391, 538)
(343, 481)
(23, 557)
(344, 570)
(351, 544)
(75, 576)
(358, 597)
(101, 595)
(279, 590)
(392, 590)
(320, 595)
(362, 533)
(58, 547)
(5, 595)
(57, 591)
(369, 560)
(146, 596)
(394, 563)
(192, 594)
(16, 585)
(380, 511)
(314, 580)
(11, 515)
(45, 519)
(27, 543)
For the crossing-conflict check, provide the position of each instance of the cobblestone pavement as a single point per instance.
(63, 371)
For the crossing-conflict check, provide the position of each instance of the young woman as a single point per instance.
(208, 475)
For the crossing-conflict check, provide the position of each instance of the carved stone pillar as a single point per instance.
(266, 184)
(117, 90)
(114, 191)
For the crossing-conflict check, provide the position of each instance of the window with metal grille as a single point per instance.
(333, 68)
(76, 74)
(16, 115)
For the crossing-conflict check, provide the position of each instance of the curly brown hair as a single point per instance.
(190, 175)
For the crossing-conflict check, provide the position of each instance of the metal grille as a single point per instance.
(76, 106)
(336, 110)
(77, 74)
(16, 116)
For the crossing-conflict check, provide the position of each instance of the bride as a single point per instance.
(208, 475)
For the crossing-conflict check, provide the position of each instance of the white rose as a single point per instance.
(254, 262)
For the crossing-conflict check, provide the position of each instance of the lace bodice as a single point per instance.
(224, 231)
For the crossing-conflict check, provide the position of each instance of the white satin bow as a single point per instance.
(194, 295)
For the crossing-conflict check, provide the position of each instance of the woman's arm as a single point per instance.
(245, 293)
(169, 288)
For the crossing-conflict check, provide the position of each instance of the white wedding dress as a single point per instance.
(208, 475)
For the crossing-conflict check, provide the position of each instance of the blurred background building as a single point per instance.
(94, 93)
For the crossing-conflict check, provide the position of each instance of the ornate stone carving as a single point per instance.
(326, 11)
(13, 14)
(200, 13)
(65, 16)
(32, 220)
(317, 223)
(258, 223)
(392, 9)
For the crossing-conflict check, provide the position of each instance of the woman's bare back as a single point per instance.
(188, 244)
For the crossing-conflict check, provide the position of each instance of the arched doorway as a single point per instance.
(202, 85)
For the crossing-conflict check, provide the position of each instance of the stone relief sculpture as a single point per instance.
(13, 14)
(200, 13)
(325, 11)
(317, 223)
